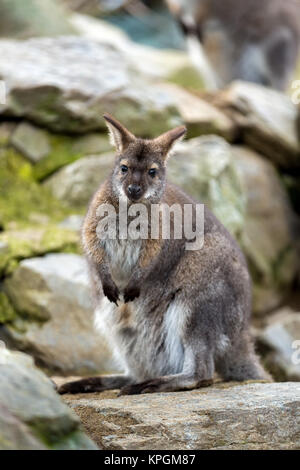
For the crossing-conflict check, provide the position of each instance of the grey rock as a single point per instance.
(268, 238)
(33, 18)
(267, 121)
(76, 183)
(248, 416)
(67, 83)
(31, 142)
(200, 116)
(29, 396)
(281, 339)
(159, 64)
(91, 144)
(52, 294)
(14, 435)
(204, 168)
(6, 130)
(73, 222)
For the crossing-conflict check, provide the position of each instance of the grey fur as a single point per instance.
(184, 314)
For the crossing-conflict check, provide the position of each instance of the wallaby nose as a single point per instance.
(134, 190)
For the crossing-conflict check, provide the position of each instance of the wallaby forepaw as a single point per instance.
(131, 293)
(111, 292)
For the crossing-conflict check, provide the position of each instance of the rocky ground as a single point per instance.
(224, 417)
(241, 157)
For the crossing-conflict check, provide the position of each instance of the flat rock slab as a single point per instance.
(67, 83)
(226, 416)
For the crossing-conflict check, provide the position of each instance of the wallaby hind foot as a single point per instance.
(94, 384)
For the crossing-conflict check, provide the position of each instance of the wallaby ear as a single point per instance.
(120, 137)
(167, 140)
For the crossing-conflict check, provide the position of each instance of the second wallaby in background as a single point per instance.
(172, 316)
(252, 40)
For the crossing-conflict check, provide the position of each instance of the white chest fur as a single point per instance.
(123, 256)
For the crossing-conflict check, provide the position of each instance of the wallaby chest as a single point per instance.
(122, 256)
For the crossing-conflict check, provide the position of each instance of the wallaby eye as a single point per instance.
(152, 172)
(124, 169)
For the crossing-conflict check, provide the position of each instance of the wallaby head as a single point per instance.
(139, 173)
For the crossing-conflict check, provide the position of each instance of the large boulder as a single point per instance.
(52, 298)
(204, 168)
(233, 417)
(73, 81)
(32, 416)
(268, 238)
(266, 119)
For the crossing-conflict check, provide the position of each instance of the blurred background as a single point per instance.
(225, 69)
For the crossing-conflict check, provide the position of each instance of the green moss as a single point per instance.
(60, 440)
(21, 196)
(35, 241)
(7, 313)
(189, 78)
(62, 153)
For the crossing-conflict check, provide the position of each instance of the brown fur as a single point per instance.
(179, 315)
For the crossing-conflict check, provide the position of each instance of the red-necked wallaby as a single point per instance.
(173, 316)
(253, 40)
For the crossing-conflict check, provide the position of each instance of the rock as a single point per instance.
(76, 183)
(280, 340)
(31, 142)
(32, 416)
(52, 294)
(74, 222)
(233, 417)
(14, 435)
(272, 259)
(34, 241)
(200, 116)
(6, 130)
(73, 81)
(204, 168)
(4, 248)
(7, 312)
(95, 7)
(163, 64)
(34, 18)
(90, 144)
(267, 120)
(21, 196)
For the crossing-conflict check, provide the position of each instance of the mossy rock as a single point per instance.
(187, 77)
(20, 195)
(68, 149)
(7, 312)
(35, 241)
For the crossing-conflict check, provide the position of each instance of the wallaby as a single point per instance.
(172, 316)
(252, 40)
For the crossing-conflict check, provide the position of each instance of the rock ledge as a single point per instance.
(226, 416)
